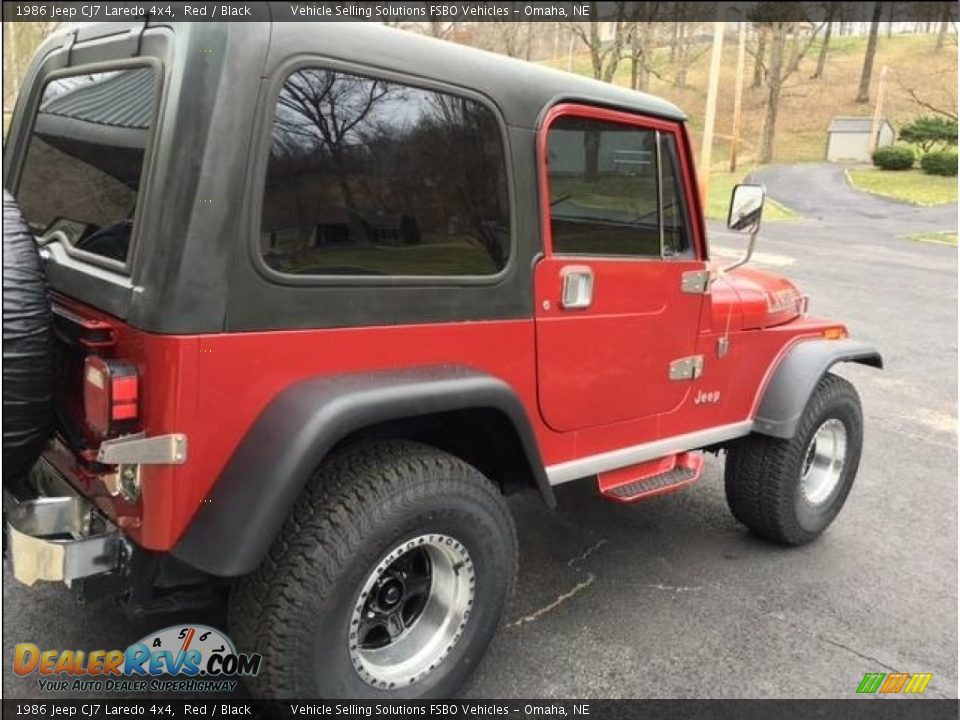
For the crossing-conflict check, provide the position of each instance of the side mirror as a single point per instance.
(746, 209)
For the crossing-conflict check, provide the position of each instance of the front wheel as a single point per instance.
(388, 582)
(789, 491)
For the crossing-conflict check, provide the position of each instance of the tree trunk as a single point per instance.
(794, 54)
(944, 25)
(758, 62)
(778, 40)
(681, 78)
(822, 57)
(863, 94)
(591, 150)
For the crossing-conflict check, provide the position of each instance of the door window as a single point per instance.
(614, 190)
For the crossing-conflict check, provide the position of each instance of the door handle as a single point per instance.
(577, 287)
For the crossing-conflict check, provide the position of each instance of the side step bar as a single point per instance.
(650, 479)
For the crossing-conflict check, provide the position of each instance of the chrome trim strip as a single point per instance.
(660, 222)
(585, 467)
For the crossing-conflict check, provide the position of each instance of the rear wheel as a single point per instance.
(789, 491)
(388, 581)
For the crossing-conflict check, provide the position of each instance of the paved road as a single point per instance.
(671, 598)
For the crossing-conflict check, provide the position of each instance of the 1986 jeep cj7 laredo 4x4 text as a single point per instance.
(322, 295)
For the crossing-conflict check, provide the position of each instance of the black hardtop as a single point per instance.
(193, 266)
(522, 90)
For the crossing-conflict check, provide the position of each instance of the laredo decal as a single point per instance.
(782, 300)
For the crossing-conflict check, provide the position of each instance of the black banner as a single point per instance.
(867, 709)
(398, 11)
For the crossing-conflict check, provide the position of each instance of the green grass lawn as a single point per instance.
(944, 237)
(912, 186)
(718, 199)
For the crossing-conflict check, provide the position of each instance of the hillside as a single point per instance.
(807, 105)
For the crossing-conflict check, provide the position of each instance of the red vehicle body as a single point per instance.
(660, 358)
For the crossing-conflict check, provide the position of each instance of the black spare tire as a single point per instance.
(27, 346)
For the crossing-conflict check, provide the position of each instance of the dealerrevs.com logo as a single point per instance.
(201, 659)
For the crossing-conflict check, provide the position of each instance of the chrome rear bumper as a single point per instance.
(58, 536)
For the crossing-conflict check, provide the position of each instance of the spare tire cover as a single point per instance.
(27, 346)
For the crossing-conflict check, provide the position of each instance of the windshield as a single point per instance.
(81, 174)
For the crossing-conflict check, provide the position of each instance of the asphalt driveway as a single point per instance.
(672, 598)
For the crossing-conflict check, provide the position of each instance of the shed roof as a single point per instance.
(854, 124)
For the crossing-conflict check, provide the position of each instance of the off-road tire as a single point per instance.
(763, 474)
(295, 609)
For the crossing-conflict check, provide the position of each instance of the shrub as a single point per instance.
(929, 131)
(894, 157)
(940, 163)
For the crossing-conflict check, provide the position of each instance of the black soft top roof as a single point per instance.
(520, 89)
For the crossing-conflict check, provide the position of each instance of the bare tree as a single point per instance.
(783, 23)
(831, 15)
(863, 94)
(758, 56)
(641, 37)
(436, 27)
(946, 21)
(604, 56)
(329, 111)
(947, 111)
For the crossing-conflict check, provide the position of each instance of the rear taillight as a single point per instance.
(110, 395)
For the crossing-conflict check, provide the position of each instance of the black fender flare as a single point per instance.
(796, 376)
(232, 532)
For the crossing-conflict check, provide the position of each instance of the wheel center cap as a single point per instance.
(390, 594)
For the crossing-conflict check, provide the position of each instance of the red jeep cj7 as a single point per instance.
(321, 296)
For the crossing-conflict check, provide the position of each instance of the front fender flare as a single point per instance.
(255, 493)
(796, 376)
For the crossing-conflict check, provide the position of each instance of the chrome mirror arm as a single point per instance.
(746, 257)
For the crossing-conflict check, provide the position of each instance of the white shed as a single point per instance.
(848, 138)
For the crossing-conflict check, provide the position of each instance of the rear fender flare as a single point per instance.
(261, 482)
(795, 377)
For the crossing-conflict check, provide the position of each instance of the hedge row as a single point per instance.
(902, 157)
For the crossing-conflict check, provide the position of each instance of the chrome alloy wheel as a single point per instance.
(411, 611)
(823, 461)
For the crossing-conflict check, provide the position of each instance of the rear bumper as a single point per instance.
(54, 534)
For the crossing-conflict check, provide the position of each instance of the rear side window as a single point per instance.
(373, 177)
(82, 170)
(612, 192)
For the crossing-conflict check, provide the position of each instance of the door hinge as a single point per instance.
(140, 450)
(695, 282)
(687, 368)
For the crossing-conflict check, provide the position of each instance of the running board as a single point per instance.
(649, 479)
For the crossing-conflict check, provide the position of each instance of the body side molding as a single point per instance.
(624, 457)
(257, 489)
(796, 376)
